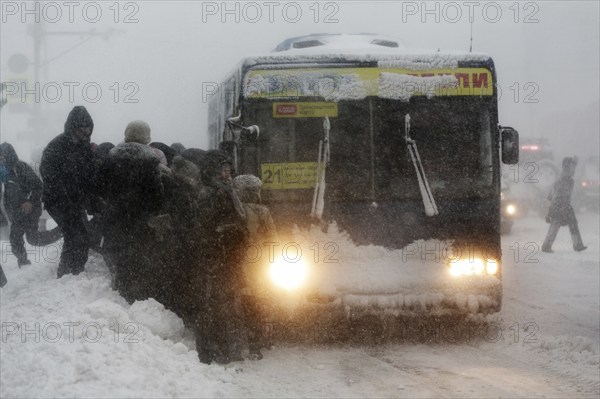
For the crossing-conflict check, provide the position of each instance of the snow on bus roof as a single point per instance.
(386, 51)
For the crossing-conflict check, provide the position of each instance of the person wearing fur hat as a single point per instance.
(68, 171)
(261, 230)
(139, 132)
(23, 203)
(561, 212)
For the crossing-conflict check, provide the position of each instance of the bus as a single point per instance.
(400, 149)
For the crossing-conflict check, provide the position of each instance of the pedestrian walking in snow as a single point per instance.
(23, 203)
(68, 171)
(561, 212)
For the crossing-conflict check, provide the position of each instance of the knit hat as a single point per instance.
(248, 188)
(137, 132)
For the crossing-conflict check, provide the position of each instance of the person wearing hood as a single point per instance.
(23, 204)
(68, 171)
(561, 212)
(223, 227)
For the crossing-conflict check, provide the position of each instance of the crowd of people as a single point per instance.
(171, 224)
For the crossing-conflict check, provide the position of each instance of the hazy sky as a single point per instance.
(151, 59)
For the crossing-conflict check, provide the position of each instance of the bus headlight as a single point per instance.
(288, 275)
(474, 267)
(511, 209)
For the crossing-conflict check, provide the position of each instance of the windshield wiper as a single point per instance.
(319, 194)
(426, 195)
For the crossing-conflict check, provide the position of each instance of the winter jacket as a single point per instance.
(561, 210)
(134, 238)
(131, 182)
(68, 168)
(23, 184)
(261, 230)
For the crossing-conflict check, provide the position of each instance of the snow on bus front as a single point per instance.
(311, 267)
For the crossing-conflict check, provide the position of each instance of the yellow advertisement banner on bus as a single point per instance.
(305, 110)
(335, 84)
(283, 176)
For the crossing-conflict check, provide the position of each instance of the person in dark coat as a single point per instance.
(195, 155)
(184, 253)
(561, 212)
(223, 223)
(168, 151)
(95, 225)
(68, 171)
(134, 194)
(23, 203)
(178, 147)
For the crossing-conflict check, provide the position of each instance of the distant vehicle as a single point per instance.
(535, 149)
(532, 179)
(587, 185)
(508, 209)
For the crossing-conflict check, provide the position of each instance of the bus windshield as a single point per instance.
(369, 157)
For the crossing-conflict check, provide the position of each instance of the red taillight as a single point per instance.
(529, 147)
(584, 184)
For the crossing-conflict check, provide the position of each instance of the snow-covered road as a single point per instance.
(88, 342)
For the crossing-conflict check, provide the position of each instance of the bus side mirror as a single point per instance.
(510, 145)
